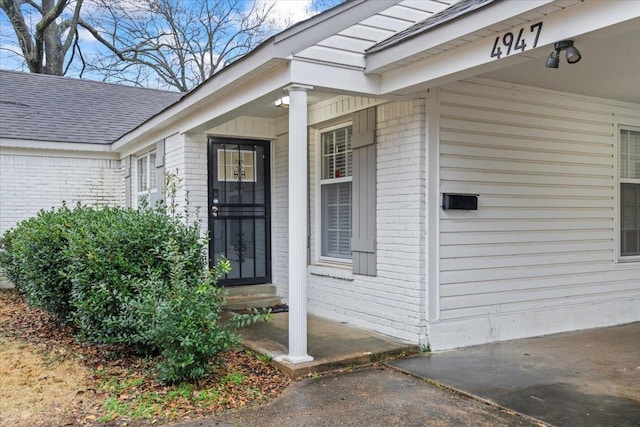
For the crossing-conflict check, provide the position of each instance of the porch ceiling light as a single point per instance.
(573, 55)
(282, 102)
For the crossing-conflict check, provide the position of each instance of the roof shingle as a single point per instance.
(49, 108)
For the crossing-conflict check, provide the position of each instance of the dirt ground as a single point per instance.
(36, 387)
(48, 378)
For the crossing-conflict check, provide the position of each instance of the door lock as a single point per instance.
(214, 211)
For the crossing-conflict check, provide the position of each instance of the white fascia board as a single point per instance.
(448, 31)
(474, 58)
(277, 50)
(196, 99)
(334, 78)
(53, 145)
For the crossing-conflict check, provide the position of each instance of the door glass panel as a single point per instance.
(233, 247)
(261, 247)
(239, 214)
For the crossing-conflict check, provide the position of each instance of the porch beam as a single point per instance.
(298, 144)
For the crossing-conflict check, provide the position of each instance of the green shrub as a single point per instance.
(33, 258)
(119, 270)
(189, 328)
(134, 278)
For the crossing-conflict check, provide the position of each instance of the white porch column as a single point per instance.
(298, 147)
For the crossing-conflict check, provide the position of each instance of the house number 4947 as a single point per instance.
(513, 41)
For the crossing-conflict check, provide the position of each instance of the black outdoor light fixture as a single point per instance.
(573, 55)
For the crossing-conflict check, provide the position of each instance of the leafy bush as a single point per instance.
(134, 278)
(188, 326)
(33, 259)
(117, 264)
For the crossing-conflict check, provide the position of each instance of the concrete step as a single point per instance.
(243, 297)
(248, 290)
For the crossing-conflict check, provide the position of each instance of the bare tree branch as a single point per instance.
(184, 43)
(177, 43)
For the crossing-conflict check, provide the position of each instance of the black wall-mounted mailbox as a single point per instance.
(465, 202)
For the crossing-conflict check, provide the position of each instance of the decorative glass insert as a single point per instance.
(236, 165)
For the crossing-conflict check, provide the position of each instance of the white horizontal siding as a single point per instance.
(543, 237)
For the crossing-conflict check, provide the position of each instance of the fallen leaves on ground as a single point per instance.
(103, 384)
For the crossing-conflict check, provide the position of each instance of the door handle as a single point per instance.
(214, 211)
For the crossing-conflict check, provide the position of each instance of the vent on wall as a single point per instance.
(465, 202)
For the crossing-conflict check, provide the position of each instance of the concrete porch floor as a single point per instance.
(333, 345)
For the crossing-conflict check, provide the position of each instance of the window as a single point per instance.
(629, 192)
(335, 189)
(146, 176)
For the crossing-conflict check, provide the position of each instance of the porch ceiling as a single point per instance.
(609, 68)
(267, 109)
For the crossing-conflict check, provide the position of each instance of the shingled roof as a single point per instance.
(57, 109)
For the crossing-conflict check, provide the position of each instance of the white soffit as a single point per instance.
(609, 68)
(347, 47)
(429, 43)
(471, 56)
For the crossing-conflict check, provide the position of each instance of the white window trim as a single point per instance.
(150, 169)
(326, 263)
(618, 227)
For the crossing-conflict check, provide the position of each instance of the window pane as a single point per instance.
(629, 154)
(336, 153)
(336, 220)
(630, 219)
(142, 174)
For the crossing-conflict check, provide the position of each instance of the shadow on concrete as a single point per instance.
(586, 378)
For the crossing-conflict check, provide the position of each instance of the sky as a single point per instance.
(283, 14)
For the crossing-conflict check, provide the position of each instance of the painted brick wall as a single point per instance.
(393, 301)
(59, 177)
(280, 215)
(191, 150)
(196, 176)
(174, 162)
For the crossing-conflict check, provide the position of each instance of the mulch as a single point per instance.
(261, 381)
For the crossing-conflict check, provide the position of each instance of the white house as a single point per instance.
(446, 172)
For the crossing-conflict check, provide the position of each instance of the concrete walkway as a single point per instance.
(333, 345)
(367, 398)
(587, 378)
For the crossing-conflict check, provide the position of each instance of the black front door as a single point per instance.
(239, 209)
